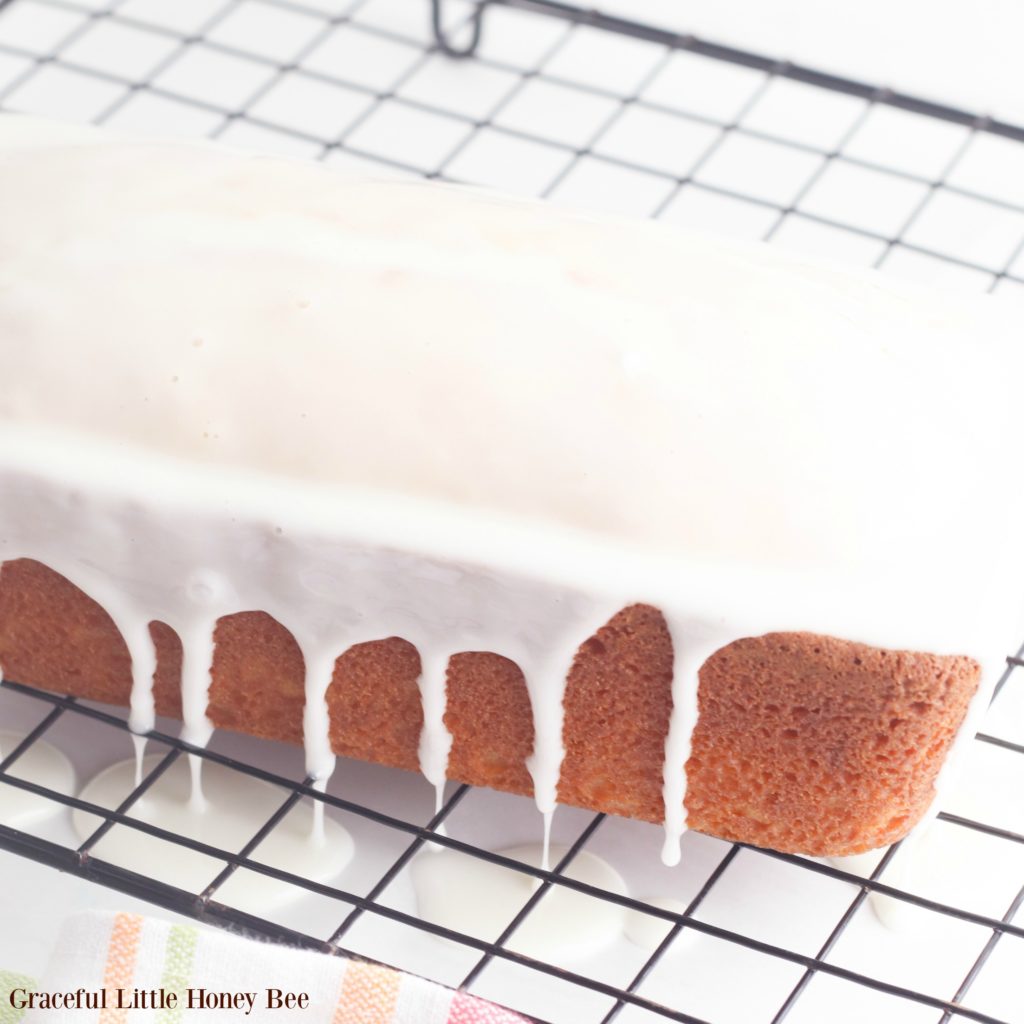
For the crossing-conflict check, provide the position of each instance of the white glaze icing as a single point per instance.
(139, 752)
(380, 409)
(690, 650)
(435, 739)
(236, 807)
(319, 661)
(319, 830)
(477, 898)
(42, 764)
(647, 931)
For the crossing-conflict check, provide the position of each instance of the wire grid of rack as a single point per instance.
(583, 109)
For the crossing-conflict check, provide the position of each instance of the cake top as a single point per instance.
(684, 400)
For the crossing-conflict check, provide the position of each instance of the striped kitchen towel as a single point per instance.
(126, 969)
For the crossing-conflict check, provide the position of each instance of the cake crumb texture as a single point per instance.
(804, 743)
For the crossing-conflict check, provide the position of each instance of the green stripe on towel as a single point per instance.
(180, 952)
(8, 983)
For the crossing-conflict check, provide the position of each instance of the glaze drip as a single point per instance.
(196, 667)
(435, 739)
(692, 645)
(316, 722)
(139, 749)
(386, 592)
(142, 652)
(493, 480)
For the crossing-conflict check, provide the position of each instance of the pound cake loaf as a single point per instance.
(563, 505)
(803, 743)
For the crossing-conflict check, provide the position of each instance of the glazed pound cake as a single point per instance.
(570, 506)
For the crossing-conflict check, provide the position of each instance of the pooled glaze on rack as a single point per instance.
(647, 931)
(235, 807)
(379, 409)
(43, 764)
(478, 898)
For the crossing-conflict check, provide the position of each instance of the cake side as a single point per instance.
(494, 425)
(804, 743)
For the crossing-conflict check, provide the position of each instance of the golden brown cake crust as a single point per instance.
(804, 743)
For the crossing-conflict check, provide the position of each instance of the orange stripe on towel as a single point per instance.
(120, 969)
(369, 995)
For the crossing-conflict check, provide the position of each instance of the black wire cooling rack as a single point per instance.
(671, 127)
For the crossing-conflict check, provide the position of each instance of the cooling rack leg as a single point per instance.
(442, 39)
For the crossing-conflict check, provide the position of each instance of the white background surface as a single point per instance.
(591, 119)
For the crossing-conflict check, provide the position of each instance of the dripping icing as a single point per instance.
(763, 532)
(139, 750)
(545, 850)
(691, 647)
(319, 660)
(142, 652)
(525, 617)
(196, 667)
(318, 832)
(435, 739)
